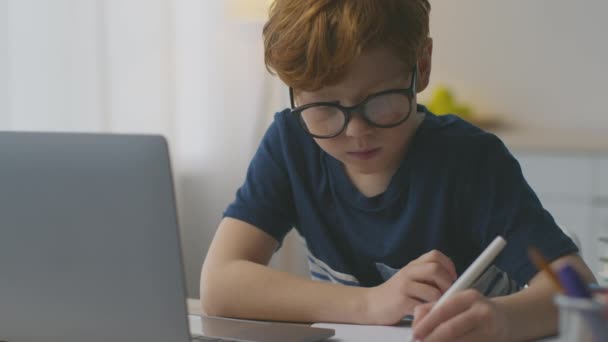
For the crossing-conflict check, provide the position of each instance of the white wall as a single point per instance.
(139, 68)
(186, 69)
(224, 102)
(53, 65)
(4, 66)
(541, 63)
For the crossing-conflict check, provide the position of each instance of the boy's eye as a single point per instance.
(323, 120)
(320, 113)
(388, 109)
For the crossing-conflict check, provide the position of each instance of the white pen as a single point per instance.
(473, 272)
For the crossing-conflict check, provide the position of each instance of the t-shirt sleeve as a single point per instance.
(499, 201)
(265, 199)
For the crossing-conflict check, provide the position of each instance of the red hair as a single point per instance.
(310, 44)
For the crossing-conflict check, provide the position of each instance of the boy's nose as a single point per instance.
(357, 126)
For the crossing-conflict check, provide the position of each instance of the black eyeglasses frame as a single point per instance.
(347, 111)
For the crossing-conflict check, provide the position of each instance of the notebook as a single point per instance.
(365, 333)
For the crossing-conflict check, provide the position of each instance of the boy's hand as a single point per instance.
(422, 280)
(467, 316)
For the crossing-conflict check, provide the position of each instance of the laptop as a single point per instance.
(90, 248)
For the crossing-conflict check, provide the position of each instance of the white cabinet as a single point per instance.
(601, 175)
(573, 187)
(600, 221)
(600, 215)
(558, 176)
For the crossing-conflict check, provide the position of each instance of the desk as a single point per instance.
(194, 310)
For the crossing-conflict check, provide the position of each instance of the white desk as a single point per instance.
(194, 311)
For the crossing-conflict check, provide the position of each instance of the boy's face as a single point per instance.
(361, 147)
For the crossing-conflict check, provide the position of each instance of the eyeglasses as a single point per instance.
(386, 109)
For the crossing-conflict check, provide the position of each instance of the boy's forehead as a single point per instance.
(363, 79)
(373, 69)
(361, 85)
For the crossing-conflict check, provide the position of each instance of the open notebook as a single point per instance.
(365, 333)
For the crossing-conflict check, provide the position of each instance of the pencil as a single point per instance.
(542, 265)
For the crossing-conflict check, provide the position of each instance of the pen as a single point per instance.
(472, 272)
(542, 265)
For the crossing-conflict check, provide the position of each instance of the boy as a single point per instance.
(392, 201)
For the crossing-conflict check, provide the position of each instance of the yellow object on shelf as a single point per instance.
(443, 102)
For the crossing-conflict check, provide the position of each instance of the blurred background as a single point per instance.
(533, 72)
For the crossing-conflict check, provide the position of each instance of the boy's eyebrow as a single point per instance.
(399, 81)
(396, 82)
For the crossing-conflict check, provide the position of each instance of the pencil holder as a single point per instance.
(581, 319)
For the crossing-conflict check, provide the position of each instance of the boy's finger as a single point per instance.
(452, 307)
(420, 311)
(433, 274)
(437, 256)
(462, 327)
(423, 292)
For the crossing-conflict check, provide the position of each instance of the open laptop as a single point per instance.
(89, 245)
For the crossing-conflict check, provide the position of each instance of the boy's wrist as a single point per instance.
(347, 304)
(374, 309)
(517, 318)
(363, 304)
(509, 321)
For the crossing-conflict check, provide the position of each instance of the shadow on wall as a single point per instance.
(201, 202)
(293, 256)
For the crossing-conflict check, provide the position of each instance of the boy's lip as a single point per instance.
(365, 154)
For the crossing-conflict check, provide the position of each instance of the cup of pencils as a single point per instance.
(582, 319)
(583, 309)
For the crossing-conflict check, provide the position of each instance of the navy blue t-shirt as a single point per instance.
(456, 189)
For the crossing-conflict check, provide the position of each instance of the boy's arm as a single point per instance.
(531, 313)
(235, 282)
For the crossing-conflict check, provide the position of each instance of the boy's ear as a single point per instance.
(424, 64)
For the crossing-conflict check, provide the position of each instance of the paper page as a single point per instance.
(196, 326)
(366, 333)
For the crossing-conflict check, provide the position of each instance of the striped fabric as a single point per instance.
(493, 282)
(319, 270)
